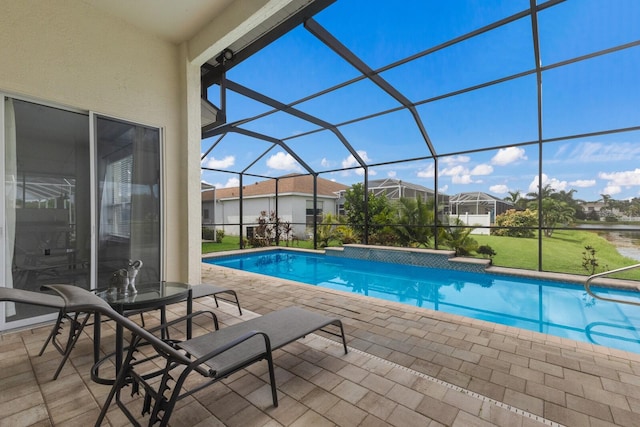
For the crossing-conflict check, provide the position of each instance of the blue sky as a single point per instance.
(592, 96)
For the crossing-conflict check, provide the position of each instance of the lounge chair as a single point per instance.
(205, 290)
(76, 320)
(215, 355)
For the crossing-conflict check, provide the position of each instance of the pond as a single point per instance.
(626, 238)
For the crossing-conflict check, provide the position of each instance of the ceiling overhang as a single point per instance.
(286, 19)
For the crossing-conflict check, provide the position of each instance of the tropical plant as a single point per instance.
(358, 214)
(416, 218)
(516, 198)
(554, 212)
(457, 237)
(346, 234)
(486, 251)
(327, 230)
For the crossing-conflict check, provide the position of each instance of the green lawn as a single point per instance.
(562, 252)
(233, 242)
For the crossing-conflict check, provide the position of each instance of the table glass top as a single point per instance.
(147, 294)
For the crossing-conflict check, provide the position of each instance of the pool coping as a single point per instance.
(478, 265)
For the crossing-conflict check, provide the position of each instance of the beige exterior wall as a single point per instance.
(70, 54)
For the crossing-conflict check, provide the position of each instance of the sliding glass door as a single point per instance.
(128, 198)
(60, 184)
(47, 200)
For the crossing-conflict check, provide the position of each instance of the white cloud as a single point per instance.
(508, 155)
(212, 162)
(482, 169)
(391, 174)
(499, 189)
(462, 179)
(623, 178)
(554, 183)
(283, 161)
(454, 171)
(461, 174)
(325, 163)
(583, 183)
(351, 161)
(455, 160)
(360, 172)
(600, 152)
(429, 172)
(443, 189)
(232, 182)
(612, 189)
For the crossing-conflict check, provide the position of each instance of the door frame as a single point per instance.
(92, 118)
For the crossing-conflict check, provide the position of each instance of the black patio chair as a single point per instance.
(76, 320)
(205, 290)
(214, 355)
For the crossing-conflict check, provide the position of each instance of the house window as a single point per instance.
(318, 214)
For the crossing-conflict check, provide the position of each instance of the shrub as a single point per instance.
(208, 233)
(219, 235)
(517, 223)
(486, 251)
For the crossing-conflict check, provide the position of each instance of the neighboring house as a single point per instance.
(478, 203)
(597, 207)
(208, 204)
(295, 203)
(394, 189)
(477, 208)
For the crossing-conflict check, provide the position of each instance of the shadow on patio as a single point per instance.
(407, 366)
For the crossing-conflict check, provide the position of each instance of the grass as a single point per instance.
(562, 252)
(230, 243)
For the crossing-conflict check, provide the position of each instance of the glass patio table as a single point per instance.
(150, 296)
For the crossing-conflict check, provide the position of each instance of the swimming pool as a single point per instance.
(555, 308)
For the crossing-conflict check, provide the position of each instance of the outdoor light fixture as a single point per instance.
(225, 55)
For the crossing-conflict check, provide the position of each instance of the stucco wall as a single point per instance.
(292, 208)
(69, 54)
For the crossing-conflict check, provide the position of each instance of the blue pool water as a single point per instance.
(559, 309)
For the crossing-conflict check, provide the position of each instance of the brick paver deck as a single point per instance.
(407, 367)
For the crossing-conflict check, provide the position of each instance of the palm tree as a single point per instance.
(415, 218)
(513, 197)
(547, 191)
(326, 230)
(516, 198)
(458, 239)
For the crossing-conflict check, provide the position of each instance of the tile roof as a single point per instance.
(301, 184)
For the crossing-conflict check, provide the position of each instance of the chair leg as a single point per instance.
(75, 329)
(231, 292)
(272, 379)
(119, 383)
(54, 331)
(237, 302)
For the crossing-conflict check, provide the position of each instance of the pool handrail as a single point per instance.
(606, 273)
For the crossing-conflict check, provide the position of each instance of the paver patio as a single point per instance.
(407, 366)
